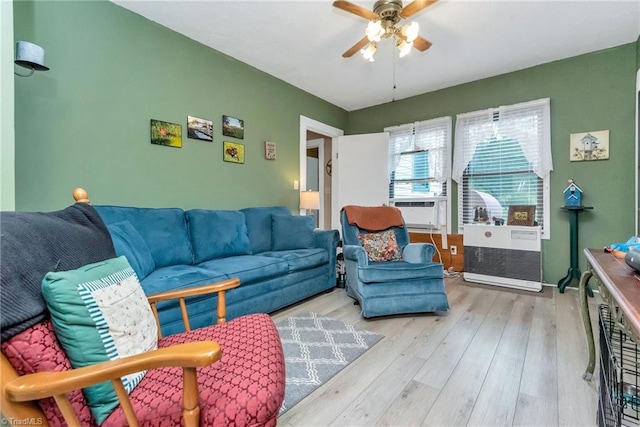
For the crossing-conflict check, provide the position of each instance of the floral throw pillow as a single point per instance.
(381, 246)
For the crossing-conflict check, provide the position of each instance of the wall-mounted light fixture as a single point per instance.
(30, 56)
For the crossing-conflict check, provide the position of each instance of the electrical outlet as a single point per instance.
(454, 250)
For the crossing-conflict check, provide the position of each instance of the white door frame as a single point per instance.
(308, 124)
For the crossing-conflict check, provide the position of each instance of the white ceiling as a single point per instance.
(301, 42)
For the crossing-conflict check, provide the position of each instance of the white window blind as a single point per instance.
(419, 159)
(502, 158)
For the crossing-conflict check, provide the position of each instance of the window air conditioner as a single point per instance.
(419, 213)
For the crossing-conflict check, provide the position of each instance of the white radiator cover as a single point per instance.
(503, 255)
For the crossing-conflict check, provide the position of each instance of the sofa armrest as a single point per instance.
(328, 240)
(419, 253)
(355, 253)
(181, 294)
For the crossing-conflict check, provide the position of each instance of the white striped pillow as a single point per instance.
(99, 313)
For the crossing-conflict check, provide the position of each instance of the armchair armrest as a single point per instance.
(355, 253)
(328, 239)
(419, 253)
(188, 356)
(181, 294)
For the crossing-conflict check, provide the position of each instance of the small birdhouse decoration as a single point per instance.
(572, 195)
(589, 145)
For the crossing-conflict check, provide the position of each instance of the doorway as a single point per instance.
(314, 134)
(315, 175)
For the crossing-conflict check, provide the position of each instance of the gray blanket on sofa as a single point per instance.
(34, 243)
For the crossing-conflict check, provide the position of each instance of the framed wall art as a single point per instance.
(589, 146)
(233, 152)
(521, 215)
(199, 128)
(165, 133)
(269, 150)
(232, 127)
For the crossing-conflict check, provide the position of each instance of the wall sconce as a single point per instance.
(30, 56)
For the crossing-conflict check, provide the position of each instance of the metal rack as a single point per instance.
(619, 402)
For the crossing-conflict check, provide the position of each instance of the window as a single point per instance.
(502, 158)
(419, 159)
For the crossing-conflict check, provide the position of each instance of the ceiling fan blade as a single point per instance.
(356, 47)
(355, 9)
(421, 44)
(414, 7)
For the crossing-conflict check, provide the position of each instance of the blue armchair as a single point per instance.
(408, 282)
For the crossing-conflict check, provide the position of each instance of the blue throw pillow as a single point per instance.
(292, 232)
(130, 244)
(258, 222)
(217, 234)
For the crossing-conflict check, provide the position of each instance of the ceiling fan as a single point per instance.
(383, 22)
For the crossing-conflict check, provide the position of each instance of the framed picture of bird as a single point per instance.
(233, 152)
(165, 133)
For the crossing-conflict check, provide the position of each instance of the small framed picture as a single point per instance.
(199, 128)
(233, 152)
(521, 215)
(269, 150)
(165, 133)
(232, 127)
(587, 146)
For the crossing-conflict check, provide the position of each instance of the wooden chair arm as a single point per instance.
(181, 294)
(47, 384)
(194, 291)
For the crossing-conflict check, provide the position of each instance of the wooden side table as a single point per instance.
(619, 286)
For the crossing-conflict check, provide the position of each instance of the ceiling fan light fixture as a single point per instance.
(404, 48)
(411, 31)
(374, 31)
(368, 52)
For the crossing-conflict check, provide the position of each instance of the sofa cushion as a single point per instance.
(301, 259)
(292, 232)
(130, 244)
(217, 234)
(163, 229)
(259, 226)
(100, 313)
(380, 246)
(248, 268)
(179, 277)
(397, 271)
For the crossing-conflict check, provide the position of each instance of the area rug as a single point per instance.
(315, 349)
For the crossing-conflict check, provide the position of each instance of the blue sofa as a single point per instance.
(279, 258)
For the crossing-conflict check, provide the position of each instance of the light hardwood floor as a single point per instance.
(499, 357)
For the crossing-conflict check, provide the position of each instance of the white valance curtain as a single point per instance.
(529, 123)
(432, 135)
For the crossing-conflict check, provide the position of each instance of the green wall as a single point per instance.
(588, 93)
(86, 121)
